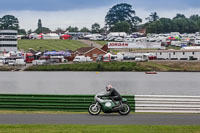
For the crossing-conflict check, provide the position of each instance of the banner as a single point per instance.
(122, 45)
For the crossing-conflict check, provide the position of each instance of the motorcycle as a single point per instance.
(106, 105)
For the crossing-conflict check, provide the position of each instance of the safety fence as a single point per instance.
(77, 103)
(167, 104)
(80, 103)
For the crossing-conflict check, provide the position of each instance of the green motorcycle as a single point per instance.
(106, 105)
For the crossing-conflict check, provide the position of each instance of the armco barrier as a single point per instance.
(167, 104)
(50, 102)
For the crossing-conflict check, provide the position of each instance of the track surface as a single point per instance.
(103, 119)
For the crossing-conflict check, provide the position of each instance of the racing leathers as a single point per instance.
(114, 95)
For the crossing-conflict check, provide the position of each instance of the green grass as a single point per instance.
(97, 129)
(173, 47)
(171, 66)
(113, 66)
(160, 66)
(57, 45)
(102, 42)
(7, 68)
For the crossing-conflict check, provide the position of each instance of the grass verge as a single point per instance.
(160, 66)
(113, 66)
(171, 66)
(97, 129)
(7, 68)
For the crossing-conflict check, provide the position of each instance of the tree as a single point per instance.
(167, 25)
(136, 20)
(59, 31)
(42, 30)
(39, 23)
(155, 27)
(179, 16)
(84, 29)
(121, 27)
(103, 30)
(29, 31)
(21, 31)
(179, 23)
(195, 17)
(96, 28)
(153, 17)
(72, 29)
(9, 22)
(120, 13)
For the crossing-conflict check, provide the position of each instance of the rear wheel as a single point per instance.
(126, 109)
(94, 109)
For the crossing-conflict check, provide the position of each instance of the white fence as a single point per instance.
(167, 104)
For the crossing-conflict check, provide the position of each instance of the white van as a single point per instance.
(118, 57)
(141, 58)
(39, 62)
(82, 59)
(2, 60)
(20, 62)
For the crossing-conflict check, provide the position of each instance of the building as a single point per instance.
(92, 52)
(173, 54)
(8, 40)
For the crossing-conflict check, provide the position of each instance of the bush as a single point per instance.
(110, 66)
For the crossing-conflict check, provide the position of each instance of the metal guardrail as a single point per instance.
(77, 103)
(167, 104)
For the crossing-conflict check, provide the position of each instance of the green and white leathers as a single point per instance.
(107, 105)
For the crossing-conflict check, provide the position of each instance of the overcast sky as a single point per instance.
(64, 13)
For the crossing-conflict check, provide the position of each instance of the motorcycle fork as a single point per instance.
(96, 105)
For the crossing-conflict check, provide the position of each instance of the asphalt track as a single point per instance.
(103, 119)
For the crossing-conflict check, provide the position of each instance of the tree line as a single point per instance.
(180, 23)
(120, 18)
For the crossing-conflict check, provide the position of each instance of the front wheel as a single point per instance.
(94, 109)
(126, 109)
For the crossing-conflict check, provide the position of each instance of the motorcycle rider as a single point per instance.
(114, 95)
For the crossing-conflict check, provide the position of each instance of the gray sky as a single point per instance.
(63, 13)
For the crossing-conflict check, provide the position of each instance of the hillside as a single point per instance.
(57, 45)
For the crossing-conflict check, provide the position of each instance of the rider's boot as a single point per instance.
(117, 105)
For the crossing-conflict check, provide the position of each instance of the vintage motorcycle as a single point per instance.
(106, 105)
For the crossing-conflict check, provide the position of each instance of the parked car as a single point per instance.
(11, 62)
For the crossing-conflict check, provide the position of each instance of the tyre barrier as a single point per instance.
(75, 103)
(167, 104)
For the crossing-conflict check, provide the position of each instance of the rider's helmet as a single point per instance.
(108, 87)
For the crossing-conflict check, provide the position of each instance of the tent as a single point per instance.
(66, 36)
(60, 53)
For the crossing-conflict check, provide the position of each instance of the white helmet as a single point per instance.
(108, 87)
